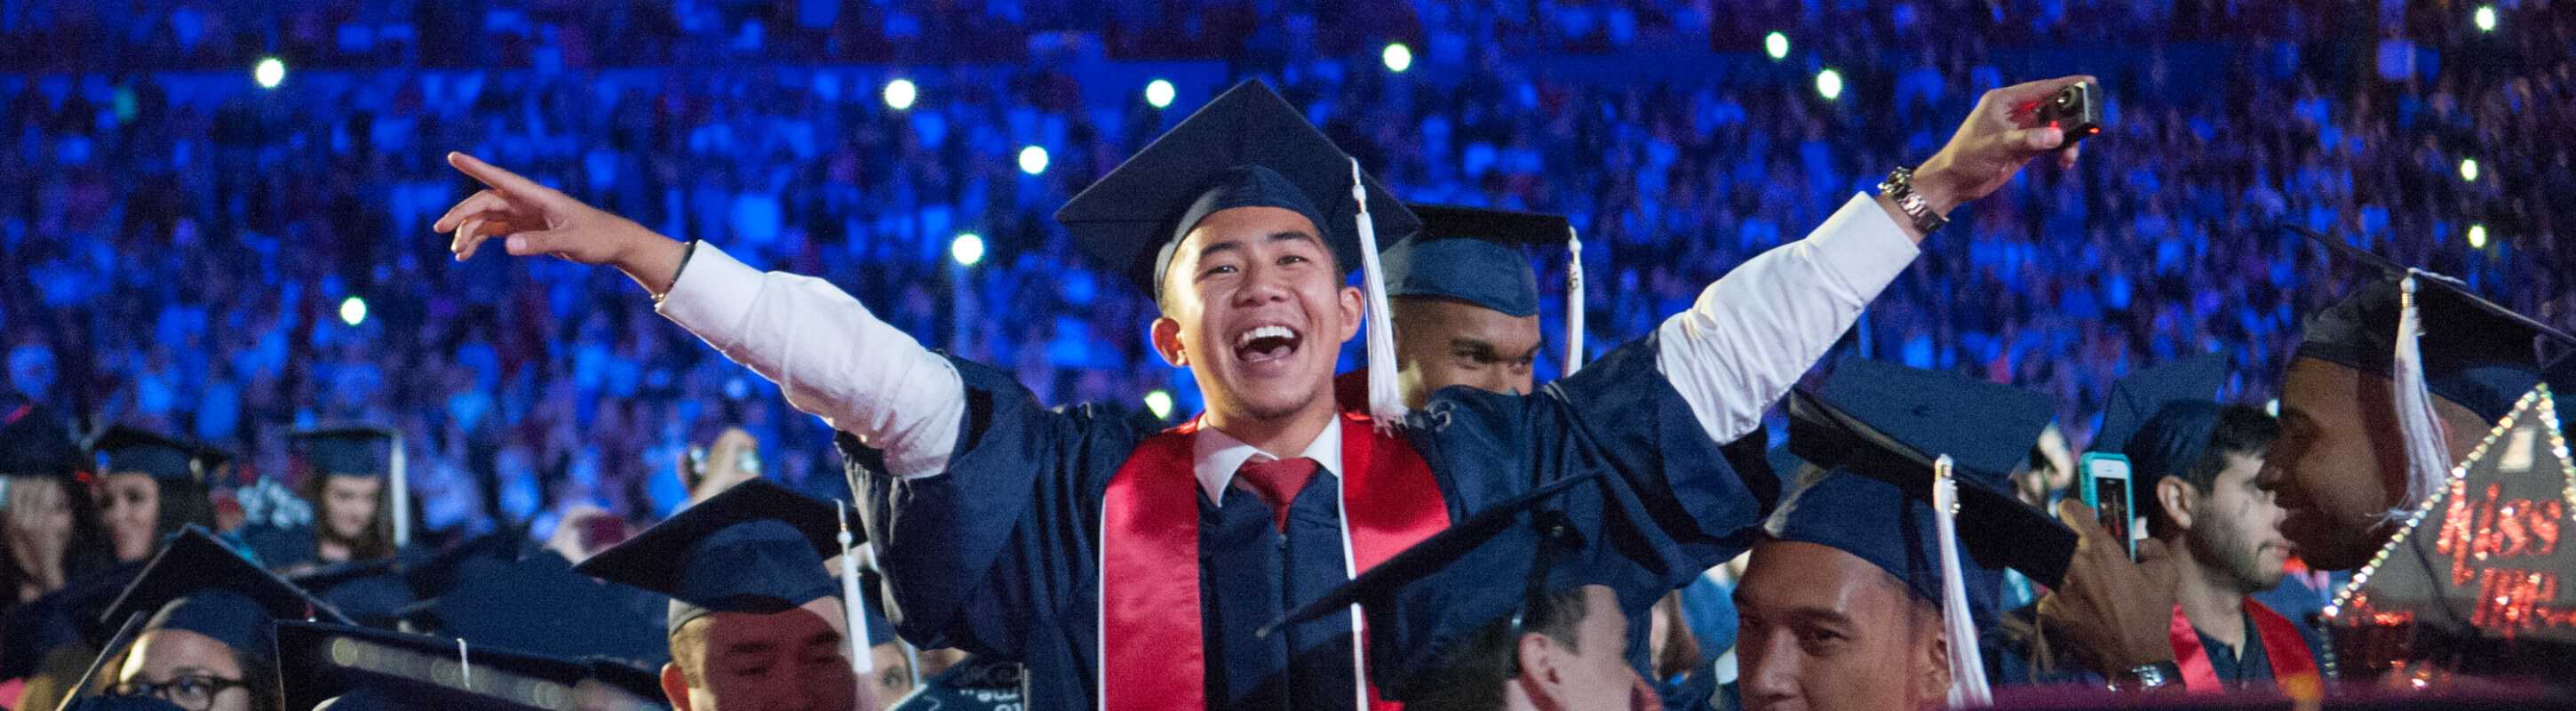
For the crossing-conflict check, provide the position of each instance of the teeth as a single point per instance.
(1263, 332)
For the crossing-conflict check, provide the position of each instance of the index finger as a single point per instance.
(2018, 95)
(493, 175)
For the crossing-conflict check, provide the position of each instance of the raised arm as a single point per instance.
(1753, 332)
(830, 356)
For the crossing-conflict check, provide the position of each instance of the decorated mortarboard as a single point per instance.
(1895, 423)
(201, 585)
(123, 449)
(35, 442)
(1427, 603)
(2136, 398)
(756, 548)
(1246, 148)
(1474, 255)
(538, 604)
(366, 669)
(2470, 583)
(370, 592)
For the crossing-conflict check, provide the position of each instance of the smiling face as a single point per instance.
(130, 505)
(2340, 464)
(1444, 342)
(1254, 305)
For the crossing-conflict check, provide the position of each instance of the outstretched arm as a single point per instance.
(1753, 332)
(826, 352)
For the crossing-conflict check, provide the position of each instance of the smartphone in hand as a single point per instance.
(2105, 480)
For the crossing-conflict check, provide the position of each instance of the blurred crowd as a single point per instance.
(228, 263)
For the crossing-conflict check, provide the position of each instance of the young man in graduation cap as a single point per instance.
(1523, 606)
(1845, 604)
(1088, 548)
(204, 619)
(150, 486)
(353, 478)
(755, 621)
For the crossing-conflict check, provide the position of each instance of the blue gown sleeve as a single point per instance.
(1618, 414)
(994, 554)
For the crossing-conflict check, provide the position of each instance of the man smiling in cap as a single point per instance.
(1128, 568)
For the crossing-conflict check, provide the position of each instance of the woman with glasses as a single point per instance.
(206, 620)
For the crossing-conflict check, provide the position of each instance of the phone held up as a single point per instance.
(2105, 479)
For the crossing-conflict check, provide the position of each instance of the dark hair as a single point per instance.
(377, 541)
(87, 551)
(2240, 430)
(1469, 676)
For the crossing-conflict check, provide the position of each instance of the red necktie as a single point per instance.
(1277, 483)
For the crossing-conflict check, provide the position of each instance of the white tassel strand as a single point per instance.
(1967, 669)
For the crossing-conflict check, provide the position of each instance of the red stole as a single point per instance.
(2292, 667)
(1153, 655)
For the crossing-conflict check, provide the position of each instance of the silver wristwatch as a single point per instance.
(2147, 676)
(1899, 187)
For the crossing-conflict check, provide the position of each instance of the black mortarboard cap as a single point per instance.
(133, 449)
(1473, 255)
(1892, 423)
(357, 450)
(1426, 602)
(538, 604)
(369, 592)
(2477, 354)
(34, 441)
(368, 669)
(1246, 148)
(199, 584)
(2137, 397)
(756, 548)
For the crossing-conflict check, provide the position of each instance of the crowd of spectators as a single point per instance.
(195, 258)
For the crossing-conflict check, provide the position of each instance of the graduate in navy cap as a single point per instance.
(1523, 606)
(53, 532)
(1129, 568)
(755, 621)
(353, 477)
(150, 486)
(203, 618)
(1846, 604)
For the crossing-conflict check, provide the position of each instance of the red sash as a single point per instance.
(1152, 653)
(2292, 667)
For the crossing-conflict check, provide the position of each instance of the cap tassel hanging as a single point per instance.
(1386, 401)
(862, 662)
(2428, 456)
(1573, 301)
(1967, 669)
(397, 470)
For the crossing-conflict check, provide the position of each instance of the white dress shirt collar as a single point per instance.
(1215, 456)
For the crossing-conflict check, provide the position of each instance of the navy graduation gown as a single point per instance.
(998, 555)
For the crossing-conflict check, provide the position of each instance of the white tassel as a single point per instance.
(1386, 402)
(1967, 669)
(1573, 301)
(862, 661)
(464, 665)
(2428, 455)
(399, 472)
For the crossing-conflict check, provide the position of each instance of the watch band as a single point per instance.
(1899, 187)
(2147, 676)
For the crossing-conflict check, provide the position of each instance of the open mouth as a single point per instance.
(1263, 344)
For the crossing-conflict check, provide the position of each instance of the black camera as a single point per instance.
(2076, 109)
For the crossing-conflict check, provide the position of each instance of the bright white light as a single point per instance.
(2272, 408)
(1829, 84)
(900, 93)
(1033, 160)
(1158, 93)
(270, 72)
(2477, 236)
(2469, 169)
(1398, 57)
(1159, 403)
(1777, 45)
(353, 311)
(967, 249)
(2485, 17)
